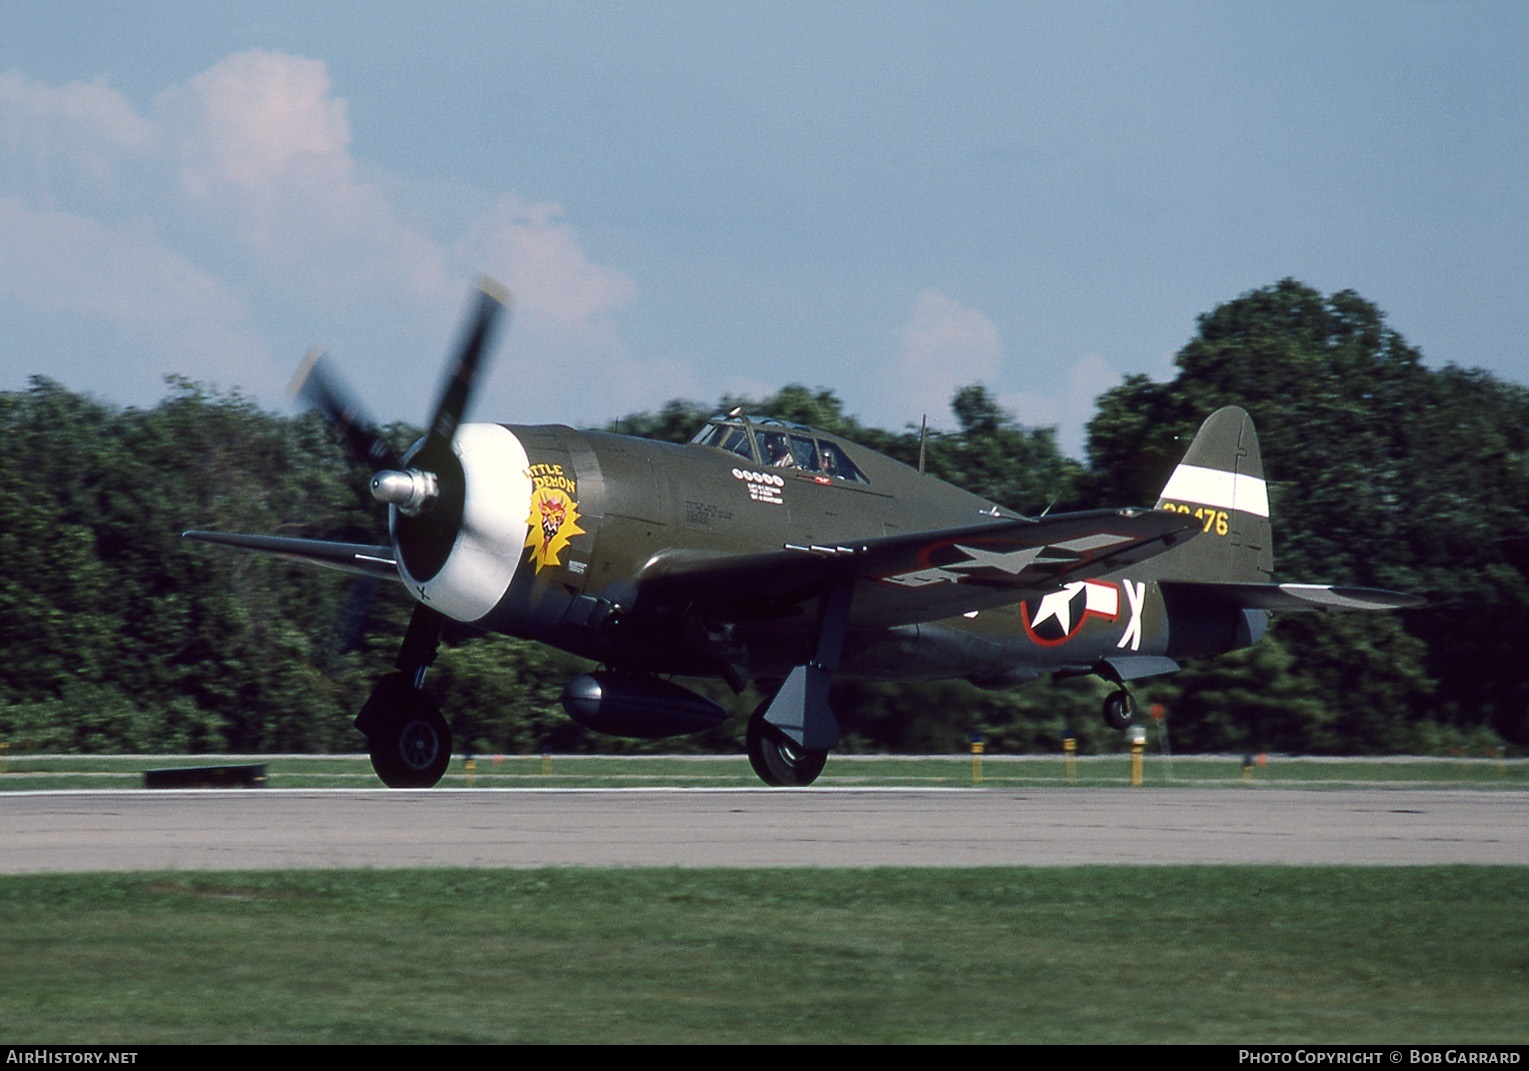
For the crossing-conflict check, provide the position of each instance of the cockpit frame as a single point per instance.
(774, 443)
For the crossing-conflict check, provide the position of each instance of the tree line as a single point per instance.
(120, 636)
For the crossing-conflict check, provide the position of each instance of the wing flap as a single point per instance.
(356, 558)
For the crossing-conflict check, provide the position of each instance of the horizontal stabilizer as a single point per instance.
(355, 558)
(1331, 597)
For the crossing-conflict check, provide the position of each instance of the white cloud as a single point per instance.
(244, 197)
(262, 149)
(93, 107)
(66, 139)
(1088, 378)
(122, 272)
(943, 346)
(566, 332)
(946, 345)
(168, 314)
(561, 296)
(254, 121)
(1070, 405)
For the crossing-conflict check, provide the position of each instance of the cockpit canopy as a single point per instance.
(777, 444)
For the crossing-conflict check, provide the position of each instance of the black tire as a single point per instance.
(409, 740)
(780, 761)
(1119, 710)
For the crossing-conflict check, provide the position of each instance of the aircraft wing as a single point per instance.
(355, 558)
(1327, 597)
(921, 576)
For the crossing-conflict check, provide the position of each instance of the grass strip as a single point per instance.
(1238, 955)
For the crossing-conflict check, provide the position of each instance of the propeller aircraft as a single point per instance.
(775, 553)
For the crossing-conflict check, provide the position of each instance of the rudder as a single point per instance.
(1220, 482)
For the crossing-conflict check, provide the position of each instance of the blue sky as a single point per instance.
(886, 199)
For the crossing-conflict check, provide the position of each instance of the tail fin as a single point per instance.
(1221, 482)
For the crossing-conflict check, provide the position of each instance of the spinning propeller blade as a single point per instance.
(461, 374)
(321, 387)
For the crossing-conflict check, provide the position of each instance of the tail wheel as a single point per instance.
(1119, 710)
(780, 761)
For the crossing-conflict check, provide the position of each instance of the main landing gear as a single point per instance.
(790, 734)
(409, 741)
(778, 760)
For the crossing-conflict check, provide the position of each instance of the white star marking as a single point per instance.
(1012, 562)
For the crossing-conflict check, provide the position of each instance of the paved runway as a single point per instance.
(227, 830)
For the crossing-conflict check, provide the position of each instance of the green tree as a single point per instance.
(1383, 472)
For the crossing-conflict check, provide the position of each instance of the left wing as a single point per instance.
(347, 557)
(921, 576)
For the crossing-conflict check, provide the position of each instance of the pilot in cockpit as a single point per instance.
(831, 463)
(777, 451)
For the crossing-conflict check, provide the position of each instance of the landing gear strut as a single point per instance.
(409, 741)
(1119, 710)
(778, 760)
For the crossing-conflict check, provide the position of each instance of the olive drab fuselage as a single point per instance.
(603, 506)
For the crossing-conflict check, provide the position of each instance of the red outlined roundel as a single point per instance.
(1058, 616)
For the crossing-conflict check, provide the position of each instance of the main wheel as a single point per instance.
(409, 741)
(1119, 710)
(780, 761)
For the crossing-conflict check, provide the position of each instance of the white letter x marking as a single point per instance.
(1136, 595)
